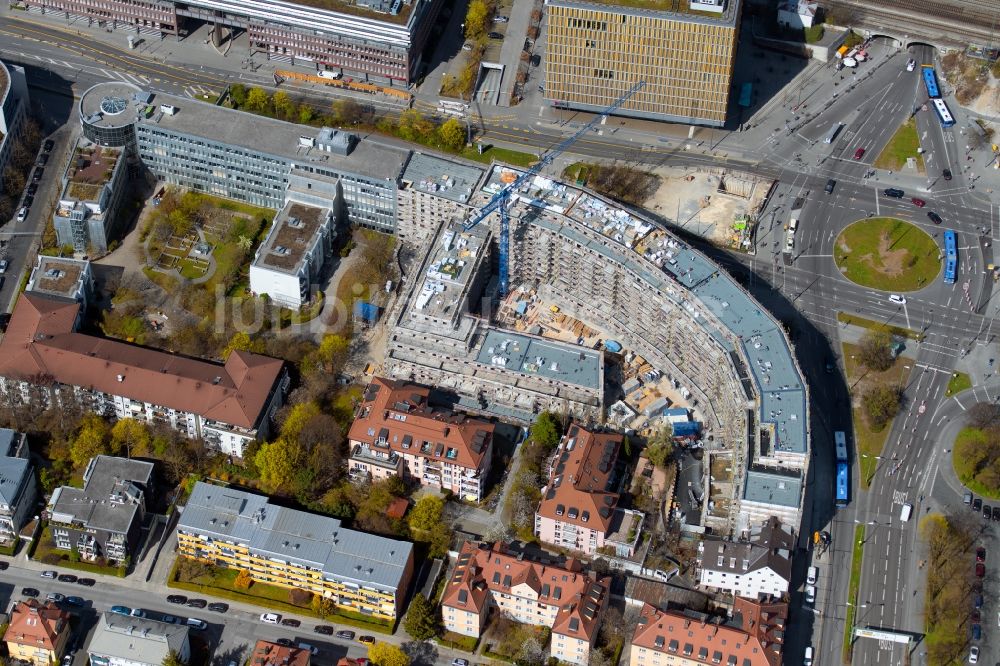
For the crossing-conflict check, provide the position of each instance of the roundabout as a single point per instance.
(887, 253)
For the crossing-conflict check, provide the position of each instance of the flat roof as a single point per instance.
(680, 10)
(57, 276)
(450, 264)
(551, 359)
(90, 167)
(772, 487)
(441, 177)
(292, 234)
(112, 104)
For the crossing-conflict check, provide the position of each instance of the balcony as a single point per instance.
(364, 455)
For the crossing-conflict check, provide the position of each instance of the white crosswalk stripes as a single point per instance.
(137, 79)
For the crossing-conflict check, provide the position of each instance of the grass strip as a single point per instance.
(903, 145)
(959, 382)
(900, 331)
(852, 591)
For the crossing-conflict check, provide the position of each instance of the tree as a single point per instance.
(238, 93)
(306, 114)
(173, 659)
(881, 404)
(421, 620)
(258, 100)
(874, 350)
(284, 106)
(426, 514)
(546, 430)
(91, 440)
(243, 580)
(531, 653)
(386, 654)
(277, 463)
(347, 111)
(983, 415)
(475, 19)
(332, 352)
(452, 134)
(13, 181)
(413, 125)
(296, 419)
(660, 449)
(242, 342)
(132, 436)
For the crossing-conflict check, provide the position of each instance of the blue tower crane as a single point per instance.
(500, 202)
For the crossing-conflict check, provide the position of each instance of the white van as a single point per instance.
(329, 74)
(904, 513)
(808, 660)
(270, 618)
(793, 225)
(811, 575)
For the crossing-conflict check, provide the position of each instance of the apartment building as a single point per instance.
(579, 508)
(291, 259)
(759, 567)
(103, 520)
(683, 50)
(44, 359)
(38, 633)
(433, 191)
(357, 571)
(268, 653)
(397, 432)
(14, 103)
(754, 636)
(376, 40)
(18, 489)
(123, 640)
(62, 278)
(487, 578)
(89, 213)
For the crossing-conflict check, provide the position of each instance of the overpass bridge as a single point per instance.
(940, 23)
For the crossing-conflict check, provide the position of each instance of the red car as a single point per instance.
(980, 569)
(919, 203)
(859, 153)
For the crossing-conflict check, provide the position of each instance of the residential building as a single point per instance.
(104, 518)
(89, 214)
(564, 598)
(267, 653)
(357, 571)
(579, 508)
(760, 566)
(37, 633)
(396, 432)
(433, 191)
(770, 491)
(291, 258)
(684, 51)
(123, 640)
(62, 277)
(375, 40)
(14, 104)
(753, 637)
(797, 14)
(44, 359)
(18, 490)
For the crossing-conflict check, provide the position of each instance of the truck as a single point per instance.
(842, 51)
(328, 74)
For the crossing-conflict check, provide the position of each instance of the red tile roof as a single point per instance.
(756, 642)
(399, 413)
(41, 342)
(481, 569)
(32, 623)
(266, 653)
(576, 492)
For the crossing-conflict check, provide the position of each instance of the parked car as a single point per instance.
(977, 504)
(459, 662)
(947, 174)
(86, 582)
(75, 601)
(977, 632)
(218, 607)
(121, 610)
(975, 616)
(980, 570)
(467, 46)
(974, 655)
(32, 188)
(170, 619)
(49, 574)
(22, 214)
(195, 623)
(980, 554)
(346, 635)
(287, 642)
(996, 513)
(196, 603)
(43, 159)
(270, 618)
(893, 192)
(859, 153)
(810, 594)
(919, 203)
(290, 622)
(3, 269)
(29, 592)
(324, 629)
(37, 176)
(987, 511)
(138, 612)
(67, 578)
(3, 565)
(977, 602)
(367, 640)
(495, 35)
(176, 599)
(56, 597)
(811, 575)
(48, 145)
(500, 19)
(28, 201)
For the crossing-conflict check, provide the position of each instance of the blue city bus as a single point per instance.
(840, 445)
(950, 257)
(843, 487)
(943, 113)
(930, 81)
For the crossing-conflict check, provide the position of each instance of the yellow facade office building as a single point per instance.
(684, 50)
(359, 572)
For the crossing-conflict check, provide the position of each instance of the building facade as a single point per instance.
(357, 571)
(567, 600)
(433, 191)
(45, 361)
(124, 640)
(14, 104)
(376, 40)
(596, 51)
(38, 633)
(291, 258)
(753, 637)
(18, 489)
(103, 520)
(579, 508)
(89, 213)
(396, 432)
(760, 567)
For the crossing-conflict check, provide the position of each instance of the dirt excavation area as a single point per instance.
(716, 204)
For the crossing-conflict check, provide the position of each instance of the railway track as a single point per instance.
(958, 21)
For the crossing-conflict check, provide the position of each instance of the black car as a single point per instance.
(32, 188)
(996, 513)
(893, 192)
(218, 607)
(74, 601)
(177, 599)
(346, 635)
(987, 511)
(39, 172)
(495, 35)
(43, 159)
(287, 642)
(197, 603)
(290, 622)
(3, 566)
(934, 217)
(324, 629)
(49, 144)
(29, 592)
(67, 578)
(28, 200)
(4, 321)
(86, 582)
(947, 174)
(830, 184)
(977, 504)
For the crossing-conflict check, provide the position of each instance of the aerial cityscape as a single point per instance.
(484, 332)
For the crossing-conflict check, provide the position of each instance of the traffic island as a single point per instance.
(904, 145)
(852, 591)
(888, 254)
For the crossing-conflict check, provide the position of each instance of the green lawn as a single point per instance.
(888, 254)
(852, 590)
(959, 382)
(514, 157)
(869, 443)
(47, 553)
(900, 331)
(902, 145)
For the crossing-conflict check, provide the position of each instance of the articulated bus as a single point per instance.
(950, 257)
(930, 81)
